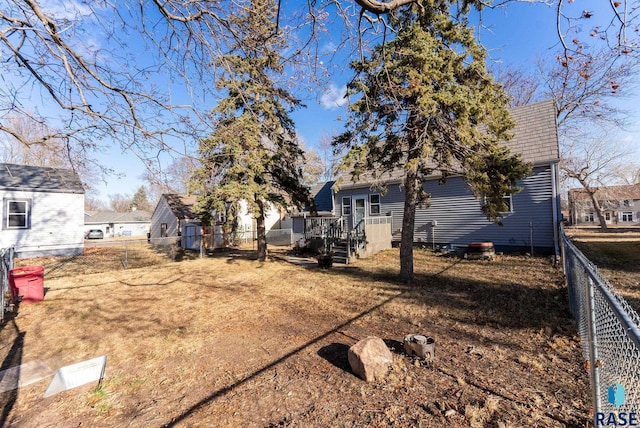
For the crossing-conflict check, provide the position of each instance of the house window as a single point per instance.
(508, 201)
(374, 204)
(346, 206)
(627, 216)
(17, 214)
(163, 230)
(588, 217)
(607, 216)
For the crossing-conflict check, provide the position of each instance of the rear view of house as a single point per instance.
(454, 215)
(42, 211)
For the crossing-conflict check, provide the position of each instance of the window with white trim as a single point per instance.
(588, 217)
(17, 214)
(508, 201)
(627, 216)
(346, 205)
(374, 204)
(163, 230)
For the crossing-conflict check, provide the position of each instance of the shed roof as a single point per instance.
(181, 205)
(39, 179)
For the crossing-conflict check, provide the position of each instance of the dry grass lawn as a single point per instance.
(617, 255)
(228, 341)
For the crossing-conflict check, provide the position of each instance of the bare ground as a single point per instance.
(228, 341)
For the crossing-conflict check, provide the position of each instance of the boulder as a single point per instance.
(370, 359)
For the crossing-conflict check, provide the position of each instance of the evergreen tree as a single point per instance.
(140, 201)
(426, 104)
(253, 154)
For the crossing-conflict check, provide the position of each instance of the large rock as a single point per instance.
(370, 359)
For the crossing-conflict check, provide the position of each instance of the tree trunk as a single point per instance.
(261, 233)
(597, 208)
(408, 224)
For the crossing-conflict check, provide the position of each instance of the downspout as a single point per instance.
(555, 207)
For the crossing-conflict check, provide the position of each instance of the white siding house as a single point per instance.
(42, 211)
(112, 224)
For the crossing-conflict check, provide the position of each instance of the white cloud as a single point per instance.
(334, 97)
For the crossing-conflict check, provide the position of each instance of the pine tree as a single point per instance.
(253, 154)
(140, 201)
(425, 103)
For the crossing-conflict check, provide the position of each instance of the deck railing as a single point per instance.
(323, 227)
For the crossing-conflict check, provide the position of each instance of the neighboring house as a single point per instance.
(454, 216)
(174, 217)
(42, 211)
(132, 223)
(620, 204)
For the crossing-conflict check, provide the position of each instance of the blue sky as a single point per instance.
(515, 36)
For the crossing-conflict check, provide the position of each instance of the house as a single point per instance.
(112, 224)
(322, 195)
(454, 216)
(174, 218)
(42, 211)
(620, 205)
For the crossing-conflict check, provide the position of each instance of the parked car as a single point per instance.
(94, 234)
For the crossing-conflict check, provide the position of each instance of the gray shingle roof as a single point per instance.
(114, 217)
(181, 205)
(609, 193)
(39, 179)
(535, 138)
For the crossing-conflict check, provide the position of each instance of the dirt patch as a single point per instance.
(228, 341)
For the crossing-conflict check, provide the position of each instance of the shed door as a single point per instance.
(191, 238)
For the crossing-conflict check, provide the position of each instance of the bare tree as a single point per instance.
(522, 87)
(94, 204)
(77, 66)
(595, 164)
(120, 203)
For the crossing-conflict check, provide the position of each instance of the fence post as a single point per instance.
(201, 245)
(594, 362)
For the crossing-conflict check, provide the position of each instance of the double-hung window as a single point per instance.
(346, 206)
(627, 216)
(374, 204)
(508, 201)
(17, 214)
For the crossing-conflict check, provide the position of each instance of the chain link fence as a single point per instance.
(610, 338)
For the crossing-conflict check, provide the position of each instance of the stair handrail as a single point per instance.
(356, 236)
